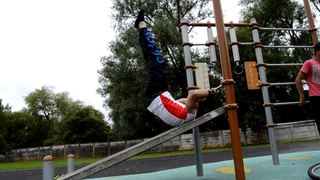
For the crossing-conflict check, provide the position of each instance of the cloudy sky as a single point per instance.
(57, 43)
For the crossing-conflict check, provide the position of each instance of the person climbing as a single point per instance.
(163, 105)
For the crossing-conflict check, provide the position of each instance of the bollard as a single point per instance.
(70, 163)
(48, 167)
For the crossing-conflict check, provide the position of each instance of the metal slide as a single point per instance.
(141, 147)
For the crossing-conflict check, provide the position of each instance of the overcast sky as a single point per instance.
(58, 43)
(55, 43)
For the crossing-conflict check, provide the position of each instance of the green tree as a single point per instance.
(47, 104)
(123, 74)
(25, 130)
(52, 110)
(84, 126)
(267, 14)
(4, 111)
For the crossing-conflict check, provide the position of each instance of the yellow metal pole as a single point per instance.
(229, 91)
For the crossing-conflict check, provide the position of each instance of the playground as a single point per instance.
(293, 164)
(295, 158)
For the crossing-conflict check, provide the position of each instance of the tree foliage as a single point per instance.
(124, 69)
(45, 103)
(50, 119)
(65, 120)
(4, 111)
(267, 14)
(123, 73)
(85, 126)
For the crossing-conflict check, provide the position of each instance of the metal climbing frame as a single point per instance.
(261, 67)
(228, 82)
(264, 84)
(190, 80)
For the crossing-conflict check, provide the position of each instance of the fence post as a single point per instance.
(27, 154)
(48, 167)
(39, 153)
(292, 134)
(79, 148)
(93, 150)
(316, 129)
(71, 163)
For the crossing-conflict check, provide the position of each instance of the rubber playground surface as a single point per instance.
(293, 166)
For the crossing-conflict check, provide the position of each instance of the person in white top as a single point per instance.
(310, 71)
(171, 111)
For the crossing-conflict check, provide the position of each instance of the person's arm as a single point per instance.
(195, 96)
(182, 100)
(299, 87)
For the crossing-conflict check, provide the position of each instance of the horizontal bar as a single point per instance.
(284, 29)
(267, 46)
(245, 43)
(208, 24)
(292, 123)
(287, 103)
(282, 83)
(231, 24)
(277, 65)
(199, 44)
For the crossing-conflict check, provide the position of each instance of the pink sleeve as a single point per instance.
(306, 67)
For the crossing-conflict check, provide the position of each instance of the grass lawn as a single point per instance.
(38, 164)
(24, 165)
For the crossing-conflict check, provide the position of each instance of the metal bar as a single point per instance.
(235, 48)
(141, 147)
(198, 44)
(311, 22)
(245, 43)
(265, 95)
(267, 46)
(212, 47)
(293, 123)
(229, 92)
(271, 46)
(286, 103)
(284, 29)
(280, 65)
(208, 24)
(187, 52)
(282, 83)
(190, 80)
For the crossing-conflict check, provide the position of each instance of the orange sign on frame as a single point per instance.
(252, 75)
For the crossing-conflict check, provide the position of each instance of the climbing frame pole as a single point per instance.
(312, 28)
(265, 92)
(191, 85)
(229, 91)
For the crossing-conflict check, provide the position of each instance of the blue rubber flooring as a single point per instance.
(293, 166)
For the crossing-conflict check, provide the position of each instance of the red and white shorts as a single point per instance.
(169, 110)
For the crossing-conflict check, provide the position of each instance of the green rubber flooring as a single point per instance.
(293, 166)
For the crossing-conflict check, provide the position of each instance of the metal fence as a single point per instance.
(284, 132)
